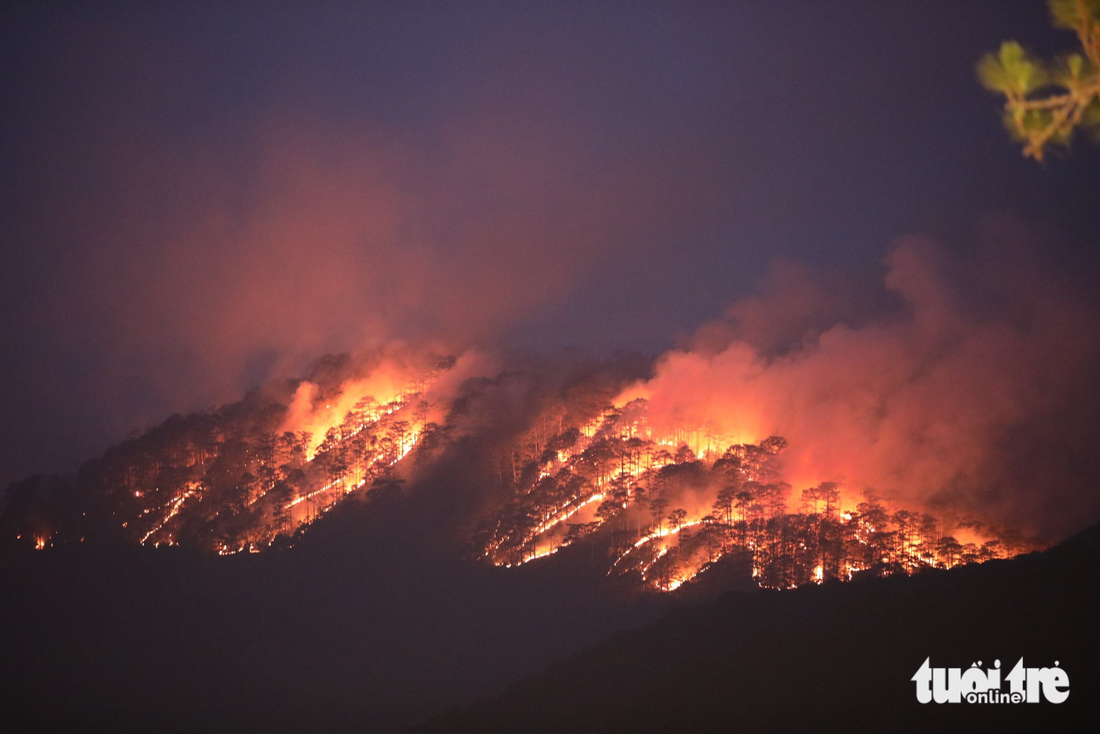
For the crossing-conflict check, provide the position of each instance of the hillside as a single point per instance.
(450, 538)
(377, 618)
(828, 658)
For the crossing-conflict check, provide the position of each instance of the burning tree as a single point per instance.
(613, 477)
(238, 477)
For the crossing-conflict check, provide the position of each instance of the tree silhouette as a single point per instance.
(657, 506)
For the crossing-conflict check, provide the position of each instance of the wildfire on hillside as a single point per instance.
(237, 478)
(670, 506)
(326, 448)
(918, 437)
(667, 504)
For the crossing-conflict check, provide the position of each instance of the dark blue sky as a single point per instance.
(195, 198)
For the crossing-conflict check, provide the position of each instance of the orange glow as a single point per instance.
(324, 450)
(621, 465)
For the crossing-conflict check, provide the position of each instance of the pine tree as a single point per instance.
(1046, 102)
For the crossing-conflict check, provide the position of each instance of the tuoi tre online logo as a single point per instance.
(974, 685)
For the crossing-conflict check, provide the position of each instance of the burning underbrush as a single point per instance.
(563, 460)
(917, 429)
(669, 506)
(239, 477)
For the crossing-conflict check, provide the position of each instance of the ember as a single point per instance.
(671, 506)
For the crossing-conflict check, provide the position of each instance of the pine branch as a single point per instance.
(1042, 107)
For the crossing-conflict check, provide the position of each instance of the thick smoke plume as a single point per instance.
(975, 393)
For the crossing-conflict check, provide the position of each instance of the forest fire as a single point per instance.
(669, 507)
(924, 434)
(327, 446)
(239, 477)
(662, 472)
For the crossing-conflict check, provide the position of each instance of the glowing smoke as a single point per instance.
(974, 395)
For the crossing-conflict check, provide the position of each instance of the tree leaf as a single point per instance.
(1011, 71)
(1067, 13)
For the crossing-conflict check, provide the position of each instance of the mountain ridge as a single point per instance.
(824, 658)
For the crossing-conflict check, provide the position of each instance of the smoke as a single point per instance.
(201, 275)
(335, 243)
(974, 393)
(206, 200)
(378, 380)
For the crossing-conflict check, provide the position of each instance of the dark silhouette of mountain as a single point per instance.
(379, 614)
(377, 617)
(836, 657)
(248, 475)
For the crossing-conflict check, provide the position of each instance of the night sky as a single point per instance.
(194, 199)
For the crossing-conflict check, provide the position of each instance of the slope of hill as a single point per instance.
(828, 658)
(378, 617)
(381, 596)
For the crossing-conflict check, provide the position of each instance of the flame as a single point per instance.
(621, 456)
(384, 390)
(330, 442)
(174, 508)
